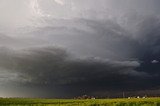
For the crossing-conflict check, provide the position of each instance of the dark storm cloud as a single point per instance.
(91, 38)
(52, 67)
(120, 59)
(103, 57)
(113, 46)
(148, 36)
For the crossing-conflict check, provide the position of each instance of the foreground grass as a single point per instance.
(70, 102)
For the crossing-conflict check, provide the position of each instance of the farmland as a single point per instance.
(74, 102)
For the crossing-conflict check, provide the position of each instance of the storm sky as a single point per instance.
(68, 48)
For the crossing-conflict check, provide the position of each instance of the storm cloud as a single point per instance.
(60, 48)
(52, 66)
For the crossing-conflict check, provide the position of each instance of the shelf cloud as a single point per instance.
(67, 48)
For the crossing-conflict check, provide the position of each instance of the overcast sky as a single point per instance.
(68, 48)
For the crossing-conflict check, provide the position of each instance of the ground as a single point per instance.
(78, 102)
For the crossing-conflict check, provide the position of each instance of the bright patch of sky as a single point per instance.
(59, 2)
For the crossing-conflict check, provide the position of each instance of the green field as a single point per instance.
(72, 102)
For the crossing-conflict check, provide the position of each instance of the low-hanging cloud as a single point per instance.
(87, 50)
(53, 66)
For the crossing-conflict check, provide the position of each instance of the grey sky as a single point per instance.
(68, 48)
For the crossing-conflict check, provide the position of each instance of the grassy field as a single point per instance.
(70, 102)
